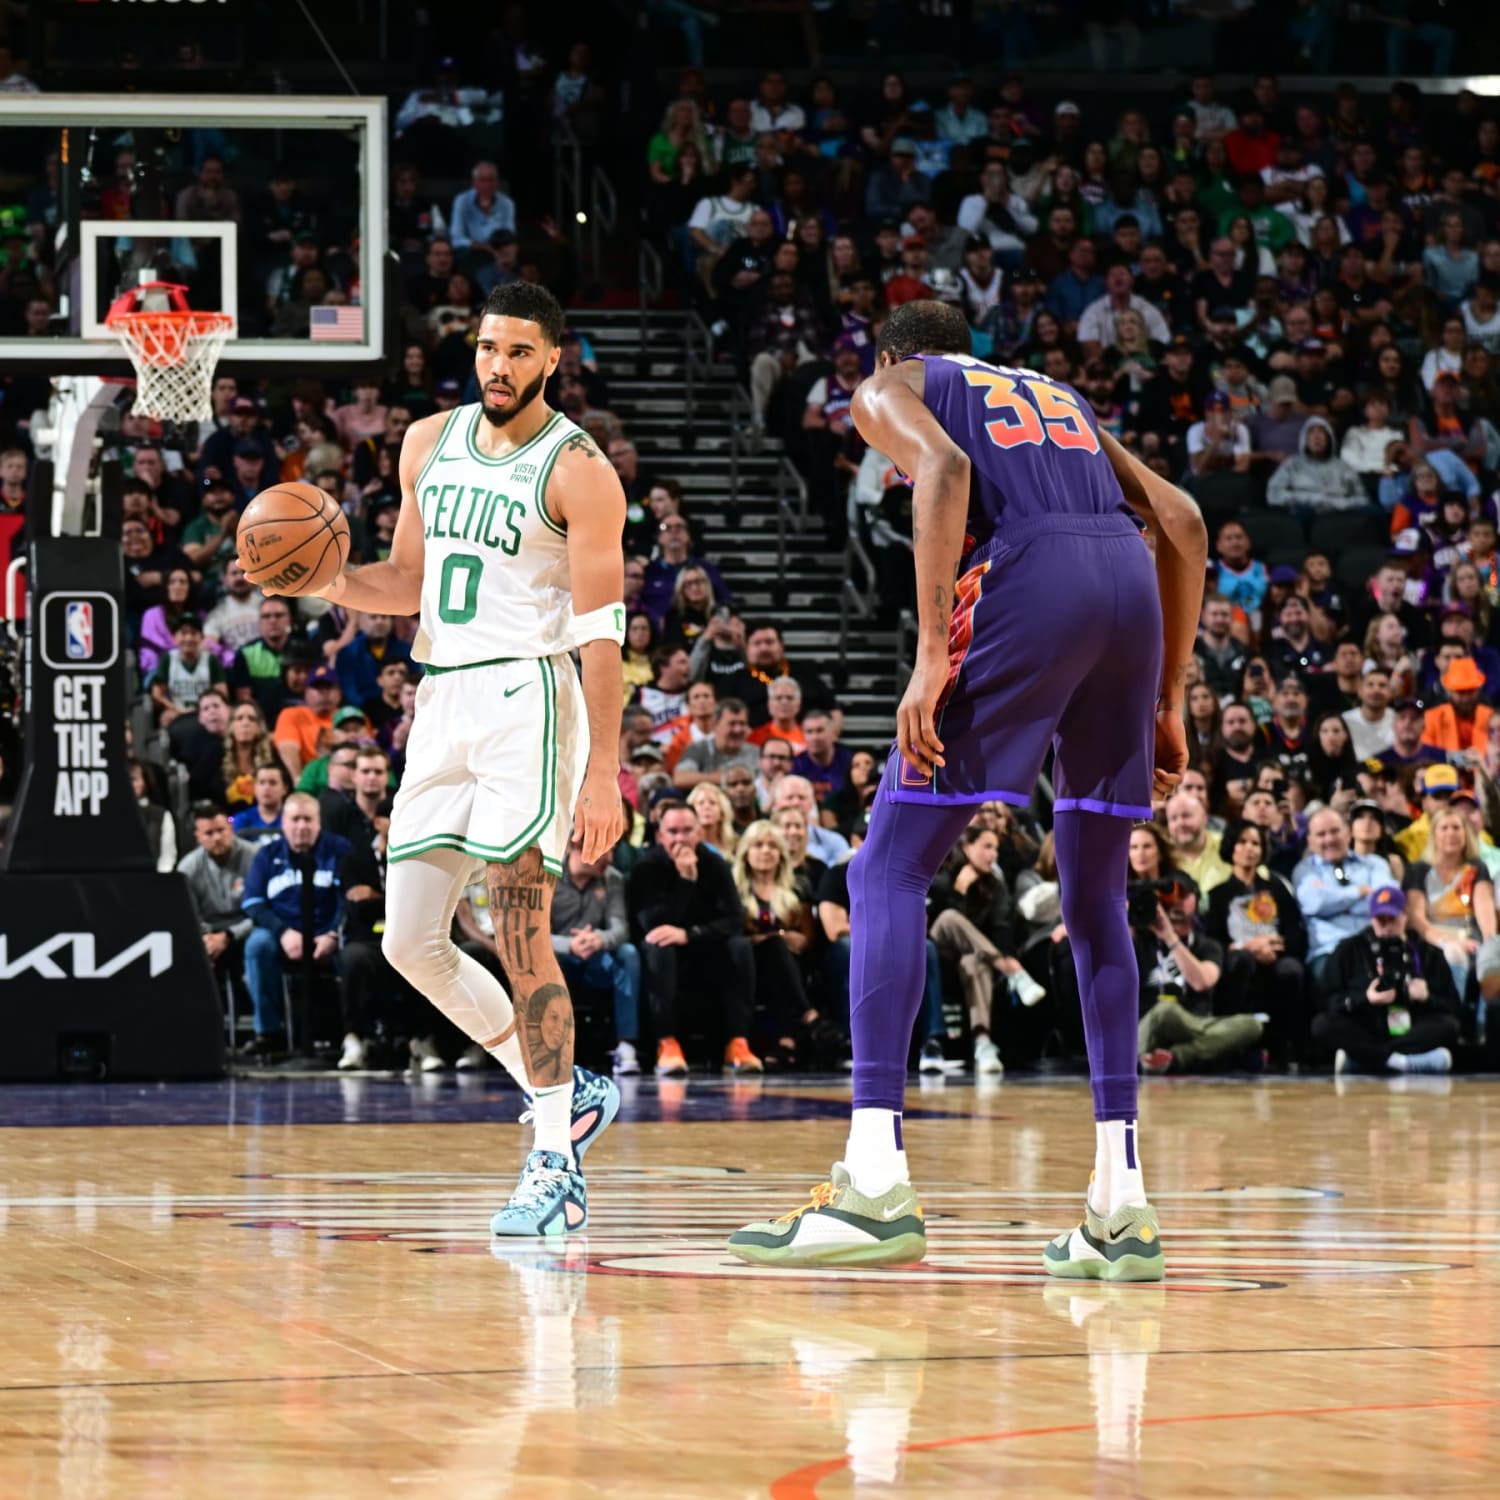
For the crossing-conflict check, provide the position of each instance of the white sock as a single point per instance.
(552, 1120)
(1117, 1168)
(508, 1054)
(875, 1157)
(1397, 1062)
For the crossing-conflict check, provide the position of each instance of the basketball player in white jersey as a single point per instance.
(509, 545)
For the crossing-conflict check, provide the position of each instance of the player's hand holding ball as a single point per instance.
(293, 539)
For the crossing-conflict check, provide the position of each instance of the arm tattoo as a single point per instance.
(581, 443)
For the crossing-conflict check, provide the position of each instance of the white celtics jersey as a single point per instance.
(495, 582)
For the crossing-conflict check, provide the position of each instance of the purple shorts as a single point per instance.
(1056, 642)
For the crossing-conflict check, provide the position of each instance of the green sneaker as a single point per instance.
(839, 1227)
(1124, 1247)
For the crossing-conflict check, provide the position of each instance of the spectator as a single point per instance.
(1255, 919)
(1450, 269)
(1390, 1004)
(184, 674)
(1221, 656)
(1180, 971)
(377, 1003)
(1218, 444)
(261, 821)
(257, 670)
(692, 603)
(215, 872)
(1097, 324)
(1333, 886)
(782, 336)
(359, 664)
(716, 221)
(972, 924)
(289, 927)
(779, 926)
(303, 731)
(235, 620)
(1451, 901)
(747, 672)
(208, 540)
(897, 186)
(1365, 448)
(1462, 723)
(689, 922)
(1292, 650)
(591, 939)
(674, 552)
(775, 762)
(209, 197)
(349, 729)
(999, 215)
(1372, 726)
(708, 759)
(1316, 481)
(822, 843)
(234, 761)
(351, 808)
(480, 209)
(389, 705)
(696, 724)
(739, 788)
(156, 638)
(1195, 846)
(666, 698)
(823, 761)
(161, 834)
(715, 816)
(784, 705)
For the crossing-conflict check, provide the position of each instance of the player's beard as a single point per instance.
(498, 417)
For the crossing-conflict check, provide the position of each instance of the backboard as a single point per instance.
(270, 208)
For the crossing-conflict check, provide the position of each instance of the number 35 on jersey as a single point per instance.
(1052, 415)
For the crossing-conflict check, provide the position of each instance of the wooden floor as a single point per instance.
(250, 1303)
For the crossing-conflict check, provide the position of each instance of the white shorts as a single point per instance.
(494, 762)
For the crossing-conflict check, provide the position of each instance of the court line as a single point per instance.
(777, 1364)
(802, 1484)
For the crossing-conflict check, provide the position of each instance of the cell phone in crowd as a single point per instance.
(723, 614)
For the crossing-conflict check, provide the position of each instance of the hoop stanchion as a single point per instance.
(173, 348)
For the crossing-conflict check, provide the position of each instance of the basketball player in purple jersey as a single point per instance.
(1044, 622)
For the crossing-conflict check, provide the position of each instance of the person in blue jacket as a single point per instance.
(293, 896)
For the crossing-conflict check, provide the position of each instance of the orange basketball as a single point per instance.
(293, 539)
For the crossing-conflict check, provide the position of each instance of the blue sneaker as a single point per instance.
(596, 1101)
(549, 1199)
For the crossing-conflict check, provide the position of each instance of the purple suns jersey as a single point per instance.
(1032, 444)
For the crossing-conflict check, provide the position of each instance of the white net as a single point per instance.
(174, 354)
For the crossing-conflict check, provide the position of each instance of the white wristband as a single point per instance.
(604, 624)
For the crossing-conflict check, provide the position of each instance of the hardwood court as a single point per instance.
(261, 1301)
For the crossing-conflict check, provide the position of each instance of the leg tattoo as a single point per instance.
(521, 907)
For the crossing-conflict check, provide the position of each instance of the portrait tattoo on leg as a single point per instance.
(521, 908)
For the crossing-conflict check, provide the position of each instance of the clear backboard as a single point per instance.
(269, 208)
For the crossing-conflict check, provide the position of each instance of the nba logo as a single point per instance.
(79, 630)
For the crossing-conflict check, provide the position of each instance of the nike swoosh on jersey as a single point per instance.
(511, 692)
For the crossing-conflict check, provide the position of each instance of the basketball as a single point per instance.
(293, 539)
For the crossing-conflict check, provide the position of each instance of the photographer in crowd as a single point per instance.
(1180, 971)
(1392, 1007)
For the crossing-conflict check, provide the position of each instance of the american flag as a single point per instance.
(336, 324)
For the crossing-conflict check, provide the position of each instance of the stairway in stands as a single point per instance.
(648, 397)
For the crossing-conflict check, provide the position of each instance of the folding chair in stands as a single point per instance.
(1354, 567)
(1270, 531)
(1335, 534)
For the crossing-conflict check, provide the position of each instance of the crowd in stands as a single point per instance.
(1286, 304)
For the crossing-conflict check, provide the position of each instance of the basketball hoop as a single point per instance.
(174, 350)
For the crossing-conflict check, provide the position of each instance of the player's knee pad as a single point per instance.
(416, 952)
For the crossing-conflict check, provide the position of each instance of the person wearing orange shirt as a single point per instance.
(1463, 722)
(696, 724)
(303, 729)
(784, 704)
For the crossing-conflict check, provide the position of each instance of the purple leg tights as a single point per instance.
(1091, 865)
(888, 882)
